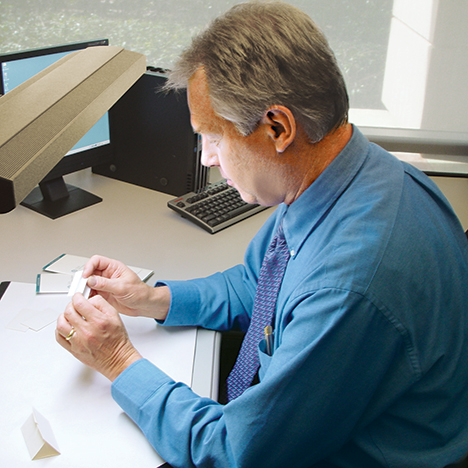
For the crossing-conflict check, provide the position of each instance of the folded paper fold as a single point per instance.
(39, 437)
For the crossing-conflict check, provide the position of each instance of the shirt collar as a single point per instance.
(301, 217)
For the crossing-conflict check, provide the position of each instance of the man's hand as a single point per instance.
(123, 289)
(94, 333)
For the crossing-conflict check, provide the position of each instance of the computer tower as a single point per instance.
(152, 140)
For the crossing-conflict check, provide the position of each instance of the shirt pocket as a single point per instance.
(265, 360)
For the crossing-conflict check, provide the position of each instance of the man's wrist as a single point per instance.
(121, 363)
(160, 300)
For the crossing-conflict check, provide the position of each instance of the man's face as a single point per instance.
(247, 163)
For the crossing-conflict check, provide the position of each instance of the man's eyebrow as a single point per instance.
(206, 128)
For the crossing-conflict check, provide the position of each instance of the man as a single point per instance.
(369, 359)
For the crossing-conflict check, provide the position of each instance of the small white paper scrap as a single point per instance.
(16, 323)
(39, 319)
(32, 319)
(39, 437)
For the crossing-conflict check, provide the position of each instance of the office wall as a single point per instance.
(456, 191)
(427, 65)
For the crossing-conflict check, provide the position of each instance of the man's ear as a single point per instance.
(281, 126)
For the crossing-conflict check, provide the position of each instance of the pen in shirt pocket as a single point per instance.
(269, 340)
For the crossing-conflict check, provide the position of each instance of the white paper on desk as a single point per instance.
(40, 318)
(39, 437)
(142, 273)
(23, 309)
(70, 264)
(16, 323)
(90, 427)
(53, 283)
(32, 319)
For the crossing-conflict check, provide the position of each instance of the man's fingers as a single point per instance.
(95, 263)
(63, 329)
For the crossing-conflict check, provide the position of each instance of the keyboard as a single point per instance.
(215, 207)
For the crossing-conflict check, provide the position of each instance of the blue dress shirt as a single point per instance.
(370, 360)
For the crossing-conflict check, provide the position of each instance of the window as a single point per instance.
(405, 61)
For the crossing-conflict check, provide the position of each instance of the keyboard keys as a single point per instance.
(216, 207)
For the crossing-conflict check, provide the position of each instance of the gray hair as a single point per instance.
(261, 54)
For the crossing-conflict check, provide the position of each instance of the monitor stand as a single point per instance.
(54, 198)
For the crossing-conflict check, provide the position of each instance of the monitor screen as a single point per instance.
(94, 148)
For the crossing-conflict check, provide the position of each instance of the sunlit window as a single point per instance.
(405, 61)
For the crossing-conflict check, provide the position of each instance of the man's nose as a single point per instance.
(209, 154)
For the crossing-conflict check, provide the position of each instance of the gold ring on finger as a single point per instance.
(71, 334)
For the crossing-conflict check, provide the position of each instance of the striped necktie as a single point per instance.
(269, 282)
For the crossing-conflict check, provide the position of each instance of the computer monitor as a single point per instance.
(53, 197)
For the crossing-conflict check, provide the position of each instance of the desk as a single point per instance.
(134, 225)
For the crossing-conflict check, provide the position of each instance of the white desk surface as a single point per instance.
(134, 225)
(131, 224)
